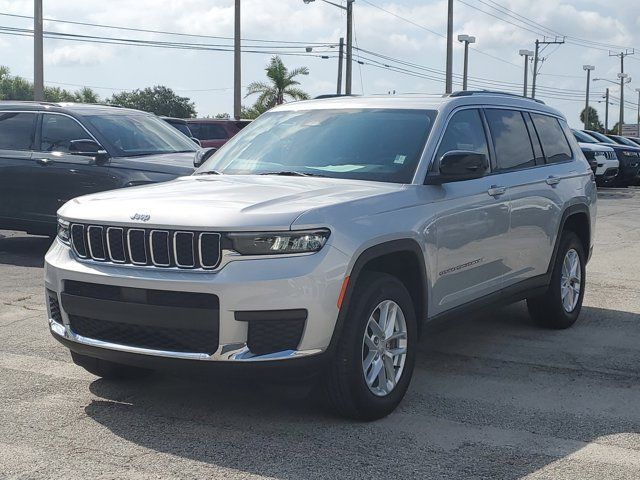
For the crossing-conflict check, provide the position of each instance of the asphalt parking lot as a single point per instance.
(492, 396)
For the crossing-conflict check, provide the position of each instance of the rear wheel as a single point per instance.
(560, 306)
(372, 368)
(109, 370)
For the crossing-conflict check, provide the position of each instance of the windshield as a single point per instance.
(137, 135)
(624, 141)
(583, 137)
(600, 137)
(366, 144)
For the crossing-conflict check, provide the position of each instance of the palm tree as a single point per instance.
(282, 85)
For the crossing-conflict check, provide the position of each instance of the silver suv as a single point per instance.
(323, 236)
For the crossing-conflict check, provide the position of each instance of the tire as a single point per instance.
(548, 310)
(344, 381)
(109, 370)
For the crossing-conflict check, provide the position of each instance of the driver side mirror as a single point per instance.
(459, 165)
(203, 155)
(88, 148)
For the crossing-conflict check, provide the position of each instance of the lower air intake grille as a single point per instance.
(54, 307)
(168, 339)
(273, 331)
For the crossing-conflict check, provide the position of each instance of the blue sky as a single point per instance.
(412, 35)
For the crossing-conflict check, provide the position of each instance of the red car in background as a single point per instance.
(215, 133)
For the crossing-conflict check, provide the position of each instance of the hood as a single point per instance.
(172, 163)
(221, 202)
(595, 147)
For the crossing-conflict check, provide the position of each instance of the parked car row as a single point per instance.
(53, 152)
(616, 159)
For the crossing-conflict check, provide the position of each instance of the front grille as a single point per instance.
(139, 246)
(54, 307)
(156, 338)
(611, 155)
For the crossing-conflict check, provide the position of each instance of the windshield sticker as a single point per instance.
(400, 159)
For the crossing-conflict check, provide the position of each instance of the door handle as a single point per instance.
(496, 191)
(553, 180)
(44, 161)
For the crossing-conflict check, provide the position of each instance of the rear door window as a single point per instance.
(17, 130)
(554, 143)
(58, 131)
(510, 139)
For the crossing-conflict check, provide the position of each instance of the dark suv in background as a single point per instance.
(51, 153)
(628, 155)
(213, 132)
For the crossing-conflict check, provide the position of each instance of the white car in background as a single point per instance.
(603, 159)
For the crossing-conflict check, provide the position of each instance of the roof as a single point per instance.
(422, 102)
(78, 108)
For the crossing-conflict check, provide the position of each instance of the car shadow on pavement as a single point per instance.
(493, 396)
(23, 251)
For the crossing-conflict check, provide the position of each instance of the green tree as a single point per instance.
(160, 100)
(18, 88)
(280, 87)
(222, 116)
(594, 122)
(251, 113)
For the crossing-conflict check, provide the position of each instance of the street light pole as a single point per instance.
(466, 39)
(237, 65)
(38, 69)
(448, 88)
(526, 54)
(349, 66)
(606, 111)
(638, 119)
(588, 69)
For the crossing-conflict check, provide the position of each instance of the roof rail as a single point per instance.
(333, 95)
(469, 93)
(33, 102)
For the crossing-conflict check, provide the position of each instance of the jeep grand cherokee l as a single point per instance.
(323, 236)
(53, 152)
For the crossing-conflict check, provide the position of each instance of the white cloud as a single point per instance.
(78, 55)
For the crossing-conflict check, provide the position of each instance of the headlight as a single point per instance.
(628, 153)
(273, 243)
(64, 234)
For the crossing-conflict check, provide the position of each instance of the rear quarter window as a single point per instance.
(555, 145)
(17, 130)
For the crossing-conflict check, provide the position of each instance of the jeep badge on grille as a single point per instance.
(141, 217)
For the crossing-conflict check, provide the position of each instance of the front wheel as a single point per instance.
(560, 306)
(373, 364)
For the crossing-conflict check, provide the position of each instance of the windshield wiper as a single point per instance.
(210, 172)
(292, 173)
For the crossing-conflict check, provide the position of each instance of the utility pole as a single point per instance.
(448, 88)
(38, 69)
(536, 60)
(340, 54)
(349, 69)
(606, 111)
(622, 77)
(237, 66)
(638, 119)
(466, 39)
(526, 54)
(588, 69)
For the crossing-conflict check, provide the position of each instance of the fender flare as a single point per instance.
(577, 208)
(371, 253)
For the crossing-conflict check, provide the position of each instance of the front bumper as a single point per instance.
(310, 282)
